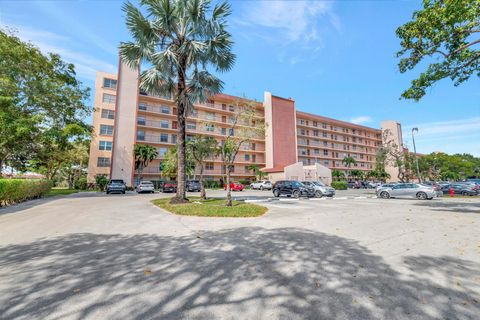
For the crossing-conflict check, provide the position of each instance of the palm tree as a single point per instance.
(201, 149)
(144, 154)
(179, 40)
(337, 174)
(348, 161)
(259, 174)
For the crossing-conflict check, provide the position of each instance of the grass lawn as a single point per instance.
(211, 208)
(60, 192)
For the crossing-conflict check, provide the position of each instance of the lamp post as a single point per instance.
(415, 154)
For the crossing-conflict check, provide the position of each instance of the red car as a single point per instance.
(234, 186)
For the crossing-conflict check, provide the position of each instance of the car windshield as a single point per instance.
(146, 183)
(297, 184)
(319, 183)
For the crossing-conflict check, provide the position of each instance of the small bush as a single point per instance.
(212, 184)
(340, 185)
(81, 184)
(101, 181)
(17, 190)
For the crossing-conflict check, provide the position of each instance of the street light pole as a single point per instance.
(415, 154)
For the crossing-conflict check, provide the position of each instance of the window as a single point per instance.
(174, 124)
(109, 83)
(231, 108)
(105, 145)
(316, 151)
(164, 137)
(254, 158)
(325, 152)
(325, 143)
(162, 151)
(164, 124)
(106, 129)
(247, 157)
(210, 115)
(224, 106)
(141, 121)
(174, 138)
(315, 133)
(326, 163)
(140, 135)
(108, 114)
(209, 166)
(324, 134)
(108, 98)
(231, 132)
(224, 131)
(165, 109)
(302, 132)
(103, 162)
(209, 127)
(142, 106)
(191, 125)
(253, 146)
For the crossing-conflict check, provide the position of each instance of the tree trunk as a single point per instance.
(181, 136)
(229, 191)
(203, 195)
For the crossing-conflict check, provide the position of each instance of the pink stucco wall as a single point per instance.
(284, 132)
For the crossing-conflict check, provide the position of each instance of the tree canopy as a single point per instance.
(446, 35)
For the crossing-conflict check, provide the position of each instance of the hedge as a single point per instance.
(17, 190)
(339, 185)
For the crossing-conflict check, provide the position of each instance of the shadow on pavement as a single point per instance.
(453, 206)
(245, 273)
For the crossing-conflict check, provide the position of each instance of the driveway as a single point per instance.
(92, 256)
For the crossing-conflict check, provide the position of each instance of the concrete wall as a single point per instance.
(125, 124)
(392, 135)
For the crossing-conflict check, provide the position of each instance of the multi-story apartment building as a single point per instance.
(125, 116)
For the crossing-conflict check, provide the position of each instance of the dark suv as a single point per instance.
(291, 188)
(193, 186)
(116, 186)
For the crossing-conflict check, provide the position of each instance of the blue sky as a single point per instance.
(335, 58)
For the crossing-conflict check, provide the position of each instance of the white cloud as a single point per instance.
(86, 66)
(454, 136)
(295, 20)
(361, 120)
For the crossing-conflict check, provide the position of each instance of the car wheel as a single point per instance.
(108, 192)
(123, 192)
(384, 195)
(276, 193)
(464, 193)
(421, 196)
(296, 194)
(261, 188)
(318, 194)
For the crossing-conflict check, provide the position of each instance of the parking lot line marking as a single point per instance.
(318, 199)
(360, 197)
(291, 199)
(341, 198)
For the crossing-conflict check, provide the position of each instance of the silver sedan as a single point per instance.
(407, 190)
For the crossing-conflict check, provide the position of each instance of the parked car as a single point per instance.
(371, 184)
(386, 185)
(169, 186)
(262, 185)
(436, 186)
(291, 188)
(145, 186)
(462, 189)
(234, 186)
(407, 190)
(320, 188)
(193, 186)
(116, 186)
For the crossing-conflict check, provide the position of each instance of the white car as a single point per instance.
(262, 185)
(145, 186)
(320, 188)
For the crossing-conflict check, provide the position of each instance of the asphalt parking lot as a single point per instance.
(92, 256)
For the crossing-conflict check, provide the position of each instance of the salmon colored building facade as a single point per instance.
(125, 116)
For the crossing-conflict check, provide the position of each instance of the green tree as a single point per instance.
(170, 163)
(348, 161)
(144, 154)
(43, 106)
(246, 125)
(255, 168)
(101, 181)
(179, 40)
(337, 174)
(202, 148)
(357, 174)
(445, 34)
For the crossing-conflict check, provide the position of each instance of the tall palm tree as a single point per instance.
(144, 154)
(348, 161)
(201, 149)
(179, 40)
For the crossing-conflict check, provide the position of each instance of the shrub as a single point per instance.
(212, 184)
(101, 181)
(17, 190)
(81, 184)
(340, 185)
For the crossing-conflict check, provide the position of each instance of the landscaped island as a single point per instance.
(211, 208)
